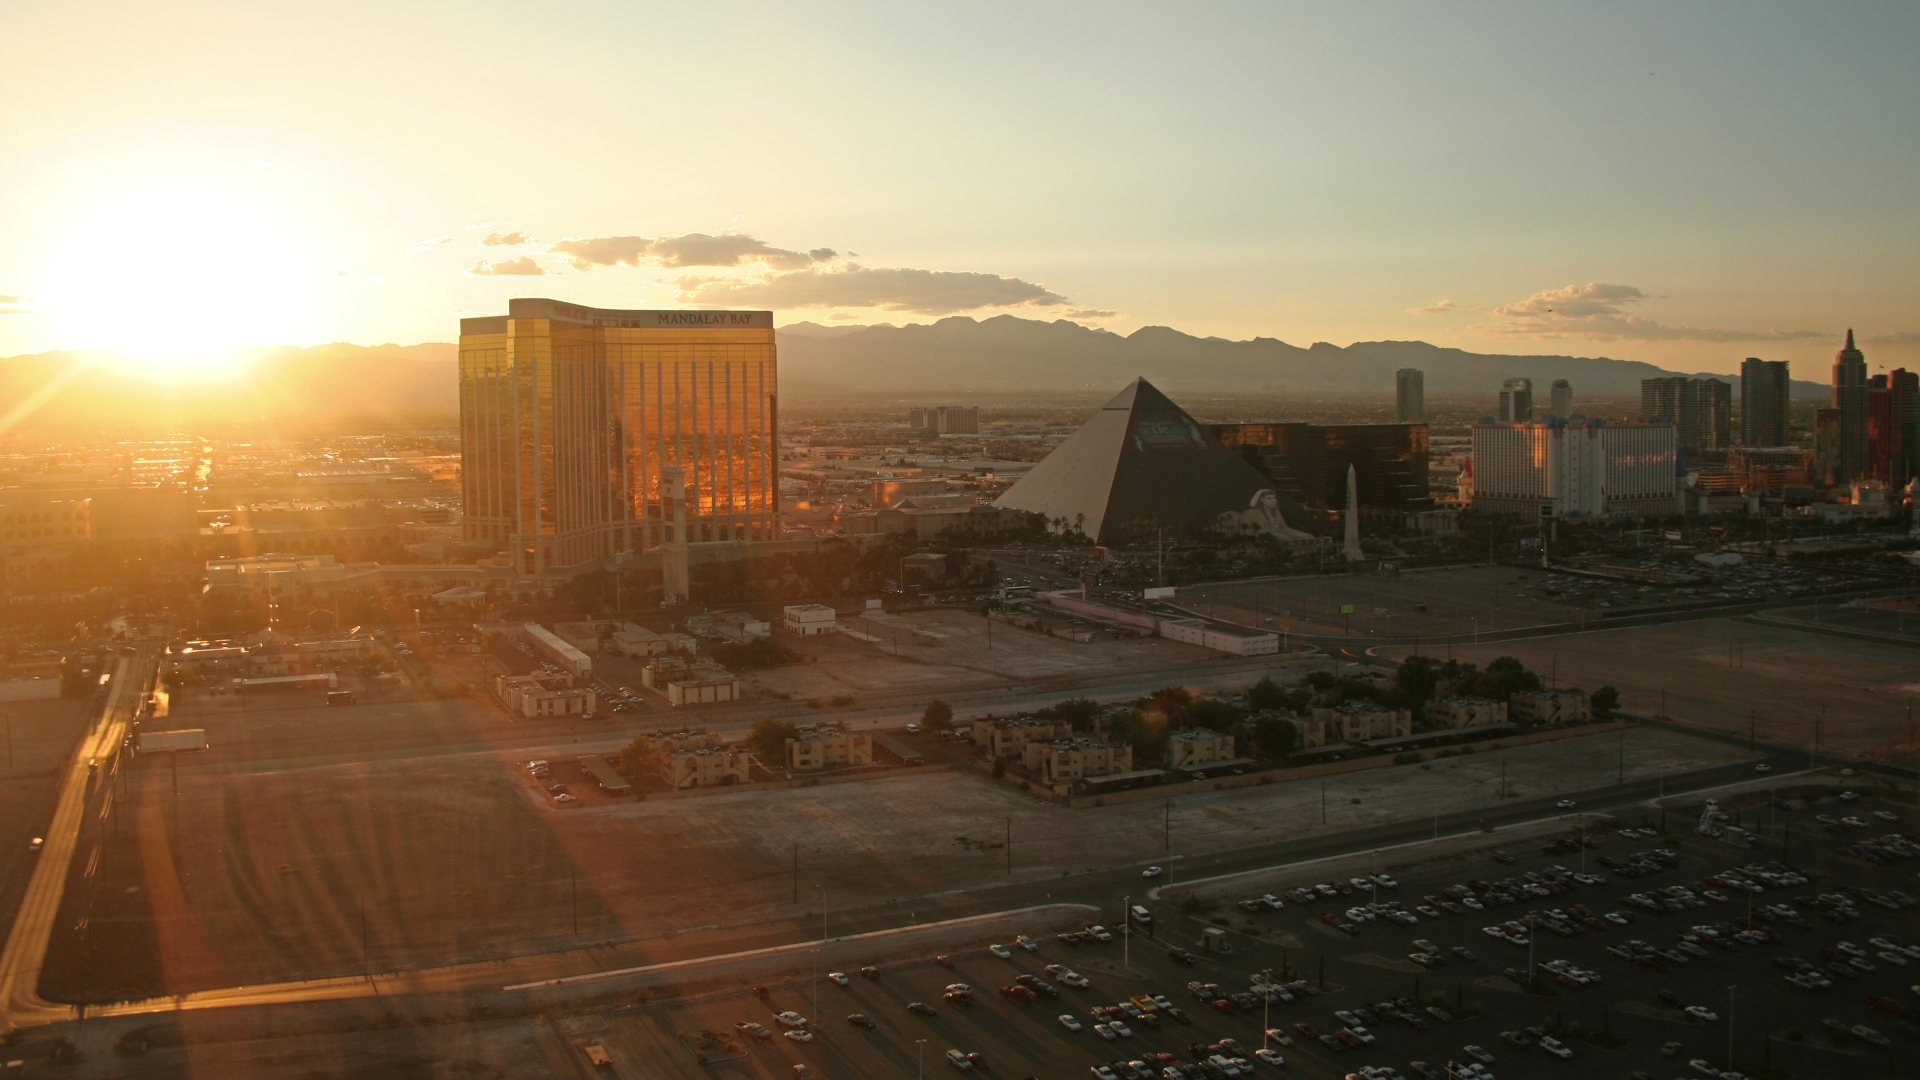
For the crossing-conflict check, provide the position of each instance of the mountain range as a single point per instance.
(404, 383)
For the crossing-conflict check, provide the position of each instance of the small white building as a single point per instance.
(810, 619)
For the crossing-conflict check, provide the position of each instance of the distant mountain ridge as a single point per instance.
(1009, 353)
(339, 382)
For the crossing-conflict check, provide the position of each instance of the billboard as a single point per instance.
(1164, 593)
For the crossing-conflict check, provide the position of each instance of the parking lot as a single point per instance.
(1362, 987)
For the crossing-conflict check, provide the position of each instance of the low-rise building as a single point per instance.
(1550, 707)
(1351, 722)
(544, 695)
(1193, 747)
(809, 619)
(699, 682)
(1076, 758)
(1003, 737)
(669, 742)
(682, 769)
(816, 750)
(1460, 712)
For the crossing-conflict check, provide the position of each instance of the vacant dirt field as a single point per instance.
(272, 869)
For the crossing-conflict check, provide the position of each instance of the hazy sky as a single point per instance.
(1683, 183)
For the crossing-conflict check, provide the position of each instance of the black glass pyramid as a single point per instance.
(1142, 464)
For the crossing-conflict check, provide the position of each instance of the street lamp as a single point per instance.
(922, 1055)
(1730, 1029)
(1126, 932)
(817, 952)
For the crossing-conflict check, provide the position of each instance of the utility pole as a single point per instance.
(573, 888)
(1753, 728)
(365, 958)
(1622, 777)
(1166, 828)
(1323, 802)
(1009, 845)
(796, 873)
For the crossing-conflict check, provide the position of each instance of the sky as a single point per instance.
(1685, 184)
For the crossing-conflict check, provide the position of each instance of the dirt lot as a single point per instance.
(1457, 600)
(1782, 680)
(261, 869)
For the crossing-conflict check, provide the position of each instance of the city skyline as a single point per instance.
(319, 211)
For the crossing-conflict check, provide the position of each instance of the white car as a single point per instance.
(1070, 1022)
(1271, 1057)
(790, 1019)
(1026, 943)
(1702, 1013)
(1100, 933)
(1001, 951)
(1565, 804)
(1478, 1053)
(958, 1060)
(1555, 1047)
(1152, 871)
(1072, 978)
(1106, 1032)
(1120, 1029)
(799, 1035)
(1763, 767)
(839, 978)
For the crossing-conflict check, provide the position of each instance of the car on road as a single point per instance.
(1106, 1032)
(839, 978)
(958, 1060)
(1564, 804)
(36, 843)
(1271, 1057)
(1763, 767)
(1001, 951)
(1464, 953)
(801, 1035)
(922, 1008)
(1100, 933)
(1102, 1072)
(944, 960)
(1152, 872)
(790, 1019)
(1026, 943)
(1477, 1053)
(1555, 1047)
(1071, 1022)
(758, 1031)
(1702, 1013)
(861, 1020)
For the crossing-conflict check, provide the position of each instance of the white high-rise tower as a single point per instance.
(1352, 547)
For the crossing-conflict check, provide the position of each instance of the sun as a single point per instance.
(176, 274)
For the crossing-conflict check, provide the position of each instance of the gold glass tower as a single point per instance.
(568, 414)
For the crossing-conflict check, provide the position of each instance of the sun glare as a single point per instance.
(177, 274)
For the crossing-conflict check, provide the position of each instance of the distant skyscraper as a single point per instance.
(1890, 400)
(1826, 447)
(1516, 401)
(1765, 386)
(1351, 519)
(1560, 399)
(571, 418)
(1701, 410)
(1410, 385)
(1850, 398)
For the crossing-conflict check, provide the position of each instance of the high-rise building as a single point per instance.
(1826, 447)
(1890, 401)
(1850, 398)
(1765, 389)
(1560, 399)
(1701, 410)
(1579, 468)
(1516, 401)
(945, 419)
(1410, 388)
(1309, 463)
(571, 415)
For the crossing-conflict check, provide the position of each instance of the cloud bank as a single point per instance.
(15, 305)
(522, 266)
(1438, 307)
(504, 239)
(820, 277)
(1899, 337)
(1600, 312)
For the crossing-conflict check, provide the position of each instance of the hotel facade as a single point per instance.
(1574, 468)
(569, 415)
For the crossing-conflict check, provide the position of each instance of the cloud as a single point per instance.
(922, 292)
(504, 239)
(1598, 311)
(1094, 314)
(15, 305)
(693, 249)
(1900, 337)
(523, 265)
(428, 245)
(1438, 307)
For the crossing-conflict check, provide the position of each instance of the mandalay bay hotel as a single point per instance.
(570, 414)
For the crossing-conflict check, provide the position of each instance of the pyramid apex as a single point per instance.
(1141, 394)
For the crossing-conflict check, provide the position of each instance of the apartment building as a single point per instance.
(1077, 758)
(1191, 748)
(816, 750)
(1462, 712)
(1550, 707)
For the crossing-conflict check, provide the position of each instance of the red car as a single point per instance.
(1305, 1031)
(1888, 1005)
(1017, 992)
(1353, 1041)
(1330, 918)
(1223, 1005)
(944, 961)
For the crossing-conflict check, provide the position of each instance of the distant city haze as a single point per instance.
(1684, 186)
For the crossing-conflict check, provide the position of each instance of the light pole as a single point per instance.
(1730, 1028)
(922, 1055)
(1126, 932)
(816, 955)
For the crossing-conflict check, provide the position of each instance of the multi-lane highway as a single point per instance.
(83, 787)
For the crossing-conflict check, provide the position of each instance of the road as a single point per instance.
(26, 949)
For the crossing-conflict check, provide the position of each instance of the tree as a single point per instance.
(1274, 737)
(1148, 739)
(1416, 677)
(1505, 677)
(1604, 700)
(1266, 696)
(1170, 702)
(769, 738)
(1216, 715)
(1082, 713)
(938, 716)
(639, 756)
